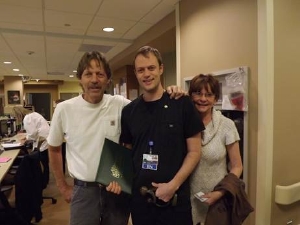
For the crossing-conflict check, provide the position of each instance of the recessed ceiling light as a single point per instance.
(16, 70)
(71, 75)
(7, 62)
(30, 52)
(108, 29)
(74, 71)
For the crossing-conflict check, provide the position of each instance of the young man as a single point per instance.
(164, 135)
(83, 123)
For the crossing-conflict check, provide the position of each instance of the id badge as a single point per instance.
(150, 162)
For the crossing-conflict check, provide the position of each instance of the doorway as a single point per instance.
(41, 103)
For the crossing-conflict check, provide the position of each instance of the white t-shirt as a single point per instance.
(36, 127)
(84, 126)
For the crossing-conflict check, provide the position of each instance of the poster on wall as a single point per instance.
(13, 97)
(235, 90)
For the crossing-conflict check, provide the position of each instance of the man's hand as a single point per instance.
(175, 92)
(66, 192)
(114, 187)
(164, 191)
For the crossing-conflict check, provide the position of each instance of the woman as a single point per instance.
(219, 139)
(37, 130)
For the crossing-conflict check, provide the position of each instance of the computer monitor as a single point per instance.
(3, 127)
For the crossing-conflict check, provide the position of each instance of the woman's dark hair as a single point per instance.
(145, 50)
(86, 60)
(202, 81)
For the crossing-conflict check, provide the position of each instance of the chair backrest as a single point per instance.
(29, 186)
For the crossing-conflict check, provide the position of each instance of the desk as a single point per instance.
(13, 142)
(16, 138)
(4, 167)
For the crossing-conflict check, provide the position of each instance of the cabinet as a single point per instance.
(125, 83)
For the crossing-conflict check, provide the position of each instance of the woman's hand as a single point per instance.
(23, 140)
(212, 197)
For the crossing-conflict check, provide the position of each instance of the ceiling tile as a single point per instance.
(121, 27)
(116, 50)
(3, 45)
(19, 28)
(159, 13)
(126, 10)
(27, 3)
(59, 31)
(63, 40)
(64, 48)
(55, 19)
(21, 15)
(137, 30)
(84, 7)
(33, 43)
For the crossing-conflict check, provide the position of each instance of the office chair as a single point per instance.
(53, 200)
(29, 187)
(44, 180)
(18, 160)
(3, 199)
(8, 215)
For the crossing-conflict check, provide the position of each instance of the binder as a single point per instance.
(115, 165)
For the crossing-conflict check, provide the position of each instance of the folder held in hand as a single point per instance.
(115, 165)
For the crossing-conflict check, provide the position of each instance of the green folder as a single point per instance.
(115, 165)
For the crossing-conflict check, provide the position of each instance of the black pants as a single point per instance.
(44, 158)
(149, 214)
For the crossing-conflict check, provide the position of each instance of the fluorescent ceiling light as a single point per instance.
(71, 75)
(108, 29)
(74, 71)
(16, 70)
(7, 62)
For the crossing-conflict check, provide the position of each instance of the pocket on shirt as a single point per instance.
(112, 128)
